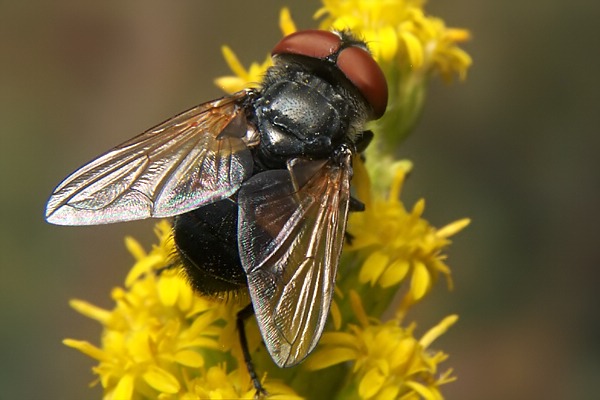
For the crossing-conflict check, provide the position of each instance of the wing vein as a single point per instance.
(170, 169)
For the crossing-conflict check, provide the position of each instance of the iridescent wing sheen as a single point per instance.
(291, 229)
(197, 157)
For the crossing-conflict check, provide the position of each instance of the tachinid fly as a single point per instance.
(258, 183)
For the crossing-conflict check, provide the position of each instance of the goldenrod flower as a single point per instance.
(400, 34)
(244, 78)
(397, 243)
(388, 361)
(409, 45)
(252, 77)
(218, 383)
(161, 338)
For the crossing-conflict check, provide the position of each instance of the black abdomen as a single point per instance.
(206, 240)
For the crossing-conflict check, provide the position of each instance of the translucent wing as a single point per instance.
(194, 158)
(291, 231)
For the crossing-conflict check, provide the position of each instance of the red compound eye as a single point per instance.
(356, 63)
(363, 71)
(311, 43)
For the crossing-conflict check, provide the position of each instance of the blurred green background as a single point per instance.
(515, 148)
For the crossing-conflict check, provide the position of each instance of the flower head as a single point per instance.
(251, 77)
(388, 361)
(397, 243)
(162, 340)
(410, 47)
(399, 33)
(243, 78)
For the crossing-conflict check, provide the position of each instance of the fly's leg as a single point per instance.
(242, 316)
(355, 205)
(363, 141)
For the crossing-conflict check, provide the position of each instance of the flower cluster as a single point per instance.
(396, 244)
(252, 76)
(400, 34)
(409, 45)
(389, 362)
(162, 340)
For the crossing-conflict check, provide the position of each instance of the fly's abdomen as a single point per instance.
(206, 240)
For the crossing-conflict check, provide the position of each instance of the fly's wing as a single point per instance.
(291, 230)
(197, 157)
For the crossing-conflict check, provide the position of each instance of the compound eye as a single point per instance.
(310, 43)
(363, 71)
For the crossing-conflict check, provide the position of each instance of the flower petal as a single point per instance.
(421, 280)
(87, 349)
(453, 228)
(388, 393)
(286, 23)
(371, 383)
(135, 248)
(124, 389)
(142, 267)
(424, 391)
(91, 311)
(394, 273)
(189, 358)
(387, 43)
(230, 84)
(233, 62)
(161, 380)
(336, 315)
(325, 358)
(403, 352)
(338, 339)
(414, 49)
(438, 330)
(373, 267)
(168, 289)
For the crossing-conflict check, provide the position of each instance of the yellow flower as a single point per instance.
(409, 45)
(398, 243)
(218, 383)
(161, 338)
(388, 361)
(399, 31)
(243, 78)
(252, 77)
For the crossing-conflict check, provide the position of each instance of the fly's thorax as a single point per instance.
(306, 108)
